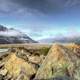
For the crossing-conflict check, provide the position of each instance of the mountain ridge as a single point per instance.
(11, 35)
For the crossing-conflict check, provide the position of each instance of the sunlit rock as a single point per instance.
(17, 66)
(60, 61)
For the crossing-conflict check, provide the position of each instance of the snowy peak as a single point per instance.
(9, 32)
(13, 36)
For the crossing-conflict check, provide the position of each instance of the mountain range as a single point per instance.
(11, 35)
(62, 39)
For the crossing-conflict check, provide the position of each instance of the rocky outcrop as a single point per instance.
(20, 63)
(17, 67)
(62, 62)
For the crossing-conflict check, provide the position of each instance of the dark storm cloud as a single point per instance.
(72, 3)
(41, 6)
(9, 7)
(44, 6)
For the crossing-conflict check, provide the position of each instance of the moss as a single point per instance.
(65, 66)
(44, 51)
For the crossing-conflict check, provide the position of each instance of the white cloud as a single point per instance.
(10, 33)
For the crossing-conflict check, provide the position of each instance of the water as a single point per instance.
(3, 50)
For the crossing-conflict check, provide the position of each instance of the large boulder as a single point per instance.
(61, 63)
(18, 68)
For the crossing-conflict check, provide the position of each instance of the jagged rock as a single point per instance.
(74, 48)
(42, 58)
(7, 77)
(1, 64)
(60, 61)
(21, 53)
(3, 72)
(17, 66)
(34, 59)
(22, 77)
(23, 56)
(1, 77)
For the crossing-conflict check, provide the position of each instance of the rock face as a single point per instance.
(61, 63)
(18, 67)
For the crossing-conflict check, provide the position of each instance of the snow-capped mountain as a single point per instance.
(13, 36)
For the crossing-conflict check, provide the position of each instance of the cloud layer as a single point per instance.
(38, 6)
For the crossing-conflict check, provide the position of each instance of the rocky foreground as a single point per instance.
(60, 62)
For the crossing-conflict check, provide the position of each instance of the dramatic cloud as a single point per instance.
(72, 3)
(8, 7)
(38, 6)
(44, 6)
(39, 17)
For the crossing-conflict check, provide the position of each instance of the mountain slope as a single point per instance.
(13, 36)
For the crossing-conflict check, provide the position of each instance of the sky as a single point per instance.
(41, 19)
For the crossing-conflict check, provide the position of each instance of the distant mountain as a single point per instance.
(62, 39)
(13, 36)
(2, 28)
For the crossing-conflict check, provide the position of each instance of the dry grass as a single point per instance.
(28, 45)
